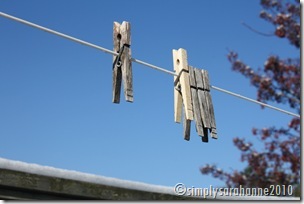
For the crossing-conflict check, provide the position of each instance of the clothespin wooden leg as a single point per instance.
(187, 128)
(202, 99)
(181, 67)
(122, 65)
(195, 103)
(210, 104)
(205, 137)
(182, 96)
(125, 30)
(178, 101)
(117, 75)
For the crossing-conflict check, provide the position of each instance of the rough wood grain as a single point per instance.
(178, 102)
(206, 80)
(181, 65)
(116, 73)
(125, 31)
(210, 104)
(195, 103)
(202, 99)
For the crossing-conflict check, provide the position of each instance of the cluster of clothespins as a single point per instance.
(191, 85)
(192, 89)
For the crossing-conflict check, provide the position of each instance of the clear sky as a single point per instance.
(56, 95)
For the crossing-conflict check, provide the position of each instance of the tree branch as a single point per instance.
(256, 31)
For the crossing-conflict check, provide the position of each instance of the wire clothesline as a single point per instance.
(136, 60)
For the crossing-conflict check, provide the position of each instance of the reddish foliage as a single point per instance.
(279, 81)
(285, 16)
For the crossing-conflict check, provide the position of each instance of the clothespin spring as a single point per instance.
(177, 85)
(117, 61)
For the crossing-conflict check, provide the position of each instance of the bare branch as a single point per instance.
(256, 31)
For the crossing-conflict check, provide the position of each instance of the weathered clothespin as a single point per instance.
(202, 103)
(197, 105)
(205, 77)
(182, 94)
(122, 65)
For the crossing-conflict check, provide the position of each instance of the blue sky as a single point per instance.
(56, 96)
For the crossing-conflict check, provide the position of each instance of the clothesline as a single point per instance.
(137, 61)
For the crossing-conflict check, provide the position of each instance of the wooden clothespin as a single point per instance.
(182, 94)
(122, 65)
(197, 105)
(202, 103)
(206, 86)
